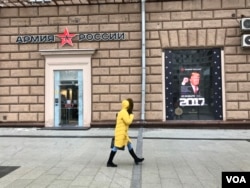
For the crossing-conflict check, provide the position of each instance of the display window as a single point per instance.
(193, 84)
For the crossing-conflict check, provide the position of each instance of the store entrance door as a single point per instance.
(68, 105)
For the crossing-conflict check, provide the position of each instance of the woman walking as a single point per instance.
(123, 120)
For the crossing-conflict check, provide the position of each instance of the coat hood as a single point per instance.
(125, 104)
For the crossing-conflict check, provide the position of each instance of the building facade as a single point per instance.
(72, 64)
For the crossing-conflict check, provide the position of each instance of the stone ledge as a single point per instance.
(203, 124)
(21, 124)
(176, 124)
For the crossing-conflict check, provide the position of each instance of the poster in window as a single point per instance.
(193, 87)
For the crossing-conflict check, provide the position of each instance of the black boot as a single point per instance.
(137, 160)
(110, 161)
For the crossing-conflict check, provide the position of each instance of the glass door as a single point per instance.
(68, 97)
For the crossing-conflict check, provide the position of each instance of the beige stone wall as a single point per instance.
(116, 66)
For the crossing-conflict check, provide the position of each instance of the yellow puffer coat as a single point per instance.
(123, 120)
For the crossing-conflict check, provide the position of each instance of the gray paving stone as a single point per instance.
(60, 183)
(171, 182)
(174, 158)
(20, 183)
(82, 181)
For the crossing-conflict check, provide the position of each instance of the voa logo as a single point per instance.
(236, 179)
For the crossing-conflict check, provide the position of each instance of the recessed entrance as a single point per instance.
(68, 87)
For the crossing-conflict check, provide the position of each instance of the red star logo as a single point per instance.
(66, 38)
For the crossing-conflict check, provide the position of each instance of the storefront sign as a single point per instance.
(35, 39)
(101, 36)
(66, 38)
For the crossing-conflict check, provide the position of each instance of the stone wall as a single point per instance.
(116, 66)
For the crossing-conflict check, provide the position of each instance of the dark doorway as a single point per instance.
(69, 107)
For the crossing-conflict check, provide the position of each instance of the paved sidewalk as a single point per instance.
(174, 158)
